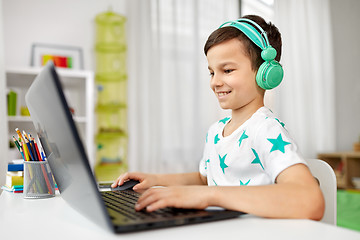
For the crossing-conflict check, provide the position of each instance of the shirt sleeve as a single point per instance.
(202, 165)
(205, 158)
(202, 168)
(275, 147)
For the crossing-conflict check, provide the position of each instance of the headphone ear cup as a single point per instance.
(269, 75)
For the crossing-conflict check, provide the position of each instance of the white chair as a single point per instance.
(322, 171)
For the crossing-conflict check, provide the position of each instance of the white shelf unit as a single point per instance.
(79, 91)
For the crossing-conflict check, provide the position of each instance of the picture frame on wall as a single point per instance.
(63, 56)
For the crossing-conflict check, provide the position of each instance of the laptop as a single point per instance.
(77, 184)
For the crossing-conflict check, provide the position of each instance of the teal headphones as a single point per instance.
(270, 73)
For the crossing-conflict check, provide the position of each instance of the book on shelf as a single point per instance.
(14, 189)
(16, 165)
(14, 178)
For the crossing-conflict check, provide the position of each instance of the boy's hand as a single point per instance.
(191, 197)
(146, 180)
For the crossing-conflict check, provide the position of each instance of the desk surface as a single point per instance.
(53, 219)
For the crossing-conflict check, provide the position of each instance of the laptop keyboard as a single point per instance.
(124, 201)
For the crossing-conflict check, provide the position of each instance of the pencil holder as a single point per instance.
(38, 180)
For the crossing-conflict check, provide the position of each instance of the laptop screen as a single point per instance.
(63, 147)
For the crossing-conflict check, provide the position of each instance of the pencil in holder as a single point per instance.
(38, 180)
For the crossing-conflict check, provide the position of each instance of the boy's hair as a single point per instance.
(254, 52)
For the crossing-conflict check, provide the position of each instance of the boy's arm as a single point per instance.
(295, 195)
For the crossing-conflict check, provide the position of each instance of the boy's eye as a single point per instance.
(228, 70)
(211, 74)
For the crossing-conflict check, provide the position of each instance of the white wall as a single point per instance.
(3, 124)
(64, 22)
(346, 38)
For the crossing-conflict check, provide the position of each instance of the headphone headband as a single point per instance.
(247, 27)
(262, 31)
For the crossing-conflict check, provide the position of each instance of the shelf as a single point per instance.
(22, 78)
(79, 90)
(20, 119)
(346, 165)
(80, 119)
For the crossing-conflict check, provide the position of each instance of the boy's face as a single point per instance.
(232, 78)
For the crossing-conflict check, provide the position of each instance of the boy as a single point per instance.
(250, 161)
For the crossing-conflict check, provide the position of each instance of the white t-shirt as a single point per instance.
(254, 154)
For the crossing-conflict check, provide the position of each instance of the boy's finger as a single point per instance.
(119, 181)
(123, 178)
(156, 205)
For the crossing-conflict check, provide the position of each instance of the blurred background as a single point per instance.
(163, 103)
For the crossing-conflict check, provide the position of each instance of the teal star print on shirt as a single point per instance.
(206, 163)
(224, 120)
(214, 182)
(257, 159)
(244, 184)
(243, 136)
(216, 139)
(278, 144)
(222, 163)
(281, 123)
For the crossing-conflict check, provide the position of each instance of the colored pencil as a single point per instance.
(16, 143)
(22, 152)
(37, 154)
(32, 144)
(30, 150)
(25, 150)
(46, 179)
(37, 151)
(19, 147)
(46, 175)
(26, 158)
(19, 134)
(43, 156)
(25, 135)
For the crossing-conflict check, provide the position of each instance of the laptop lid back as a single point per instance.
(63, 147)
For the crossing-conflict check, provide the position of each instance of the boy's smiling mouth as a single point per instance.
(220, 94)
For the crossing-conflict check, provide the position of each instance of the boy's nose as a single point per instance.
(216, 81)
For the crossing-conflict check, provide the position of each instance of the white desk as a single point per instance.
(54, 219)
